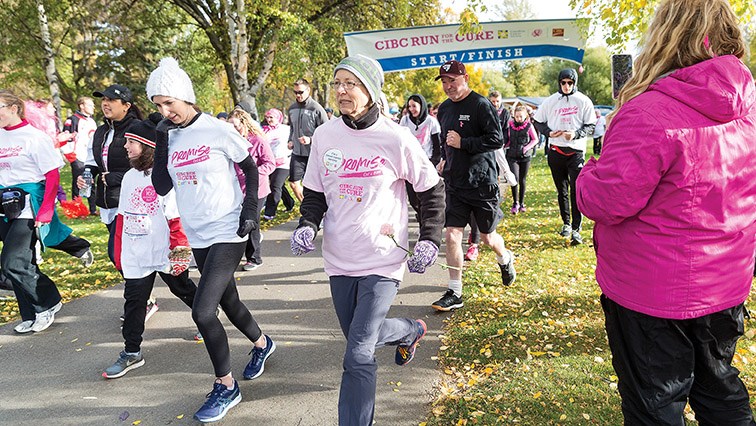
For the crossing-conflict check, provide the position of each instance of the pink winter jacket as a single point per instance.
(262, 154)
(674, 194)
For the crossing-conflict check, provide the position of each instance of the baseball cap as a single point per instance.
(115, 91)
(451, 69)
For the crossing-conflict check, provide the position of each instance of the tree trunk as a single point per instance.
(50, 71)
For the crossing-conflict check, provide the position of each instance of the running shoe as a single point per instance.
(566, 231)
(576, 239)
(125, 363)
(448, 301)
(405, 353)
(218, 402)
(24, 327)
(256, 365)
(45, 319)
(508, 273)
(151, 308)
(87, 259)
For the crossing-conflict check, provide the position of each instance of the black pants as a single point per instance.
(73, 245)
(597, 145)
(217, 264)
(662, 364)
(520, 169)
(35, 291)
(137, 292)
(278, 192)
(77, 168)
(253, 251)
(564, 172)
(111, 241)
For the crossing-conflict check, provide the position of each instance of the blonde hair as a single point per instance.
(677, 38)
(246, 120)
(9, 99)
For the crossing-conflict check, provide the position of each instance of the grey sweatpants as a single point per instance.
(361, 305)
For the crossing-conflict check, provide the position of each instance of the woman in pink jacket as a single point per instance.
(262, 154)
(674, 201)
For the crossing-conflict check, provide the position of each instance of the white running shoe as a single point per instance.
(24, 327)
(45, 319)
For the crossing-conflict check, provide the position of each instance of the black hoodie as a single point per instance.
(567, 73)
(435, 141)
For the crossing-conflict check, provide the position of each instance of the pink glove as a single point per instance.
(302, 241)
(424, 256)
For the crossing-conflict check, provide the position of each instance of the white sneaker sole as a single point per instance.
(233, 404)
(125, 370)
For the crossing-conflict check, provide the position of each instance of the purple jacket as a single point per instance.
(262, 154)
(674, 194)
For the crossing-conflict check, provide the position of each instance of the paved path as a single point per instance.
(54, 376)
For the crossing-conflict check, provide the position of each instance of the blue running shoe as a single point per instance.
(405, 353)
(219, 401)
(256, 365)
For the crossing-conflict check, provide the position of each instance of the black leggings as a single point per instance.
(520, 169)
(217, 264)
(278, 192)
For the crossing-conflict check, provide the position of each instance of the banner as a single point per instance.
(424, 47)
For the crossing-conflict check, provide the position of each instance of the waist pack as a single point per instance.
(13, 202)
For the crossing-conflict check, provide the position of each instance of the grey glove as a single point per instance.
(424, 256)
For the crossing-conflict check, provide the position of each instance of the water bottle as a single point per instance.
(87, 190)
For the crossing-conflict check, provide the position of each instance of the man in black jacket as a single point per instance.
(471, 131)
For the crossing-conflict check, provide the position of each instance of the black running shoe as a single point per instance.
(448, 301)
(508, 273)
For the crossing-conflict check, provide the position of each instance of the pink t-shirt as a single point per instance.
(362, 174)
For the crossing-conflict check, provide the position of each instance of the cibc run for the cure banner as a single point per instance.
(423, 47)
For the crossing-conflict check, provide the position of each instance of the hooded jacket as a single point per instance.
(424, 127)
(674, 194)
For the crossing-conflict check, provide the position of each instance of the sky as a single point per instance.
(543, 9)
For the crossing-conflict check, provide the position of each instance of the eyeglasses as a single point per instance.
(299, 92)
(3, 105)
(348, 85)
(566, 83)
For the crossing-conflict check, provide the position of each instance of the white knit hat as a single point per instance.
(169, 79)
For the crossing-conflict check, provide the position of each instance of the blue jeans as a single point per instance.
(362, 304)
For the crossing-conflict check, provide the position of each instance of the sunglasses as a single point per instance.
(299, 92)
(566, 83)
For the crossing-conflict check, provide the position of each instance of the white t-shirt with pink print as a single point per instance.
(362, 174)
(201, 161)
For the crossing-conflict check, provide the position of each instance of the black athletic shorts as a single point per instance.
(297, 167)
(483, 202)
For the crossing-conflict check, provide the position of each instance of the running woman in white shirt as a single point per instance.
(29, 180)
(195, 154)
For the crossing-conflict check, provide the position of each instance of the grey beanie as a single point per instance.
(370, 73)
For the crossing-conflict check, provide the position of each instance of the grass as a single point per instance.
(72, 279)
(536, 353)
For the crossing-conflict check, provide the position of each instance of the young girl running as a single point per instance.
(195, 154)
(148, 233)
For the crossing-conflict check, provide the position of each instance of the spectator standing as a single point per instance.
(305, 115)
(567, 117)
(673, 198)
(471, 130)
(81, 126)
